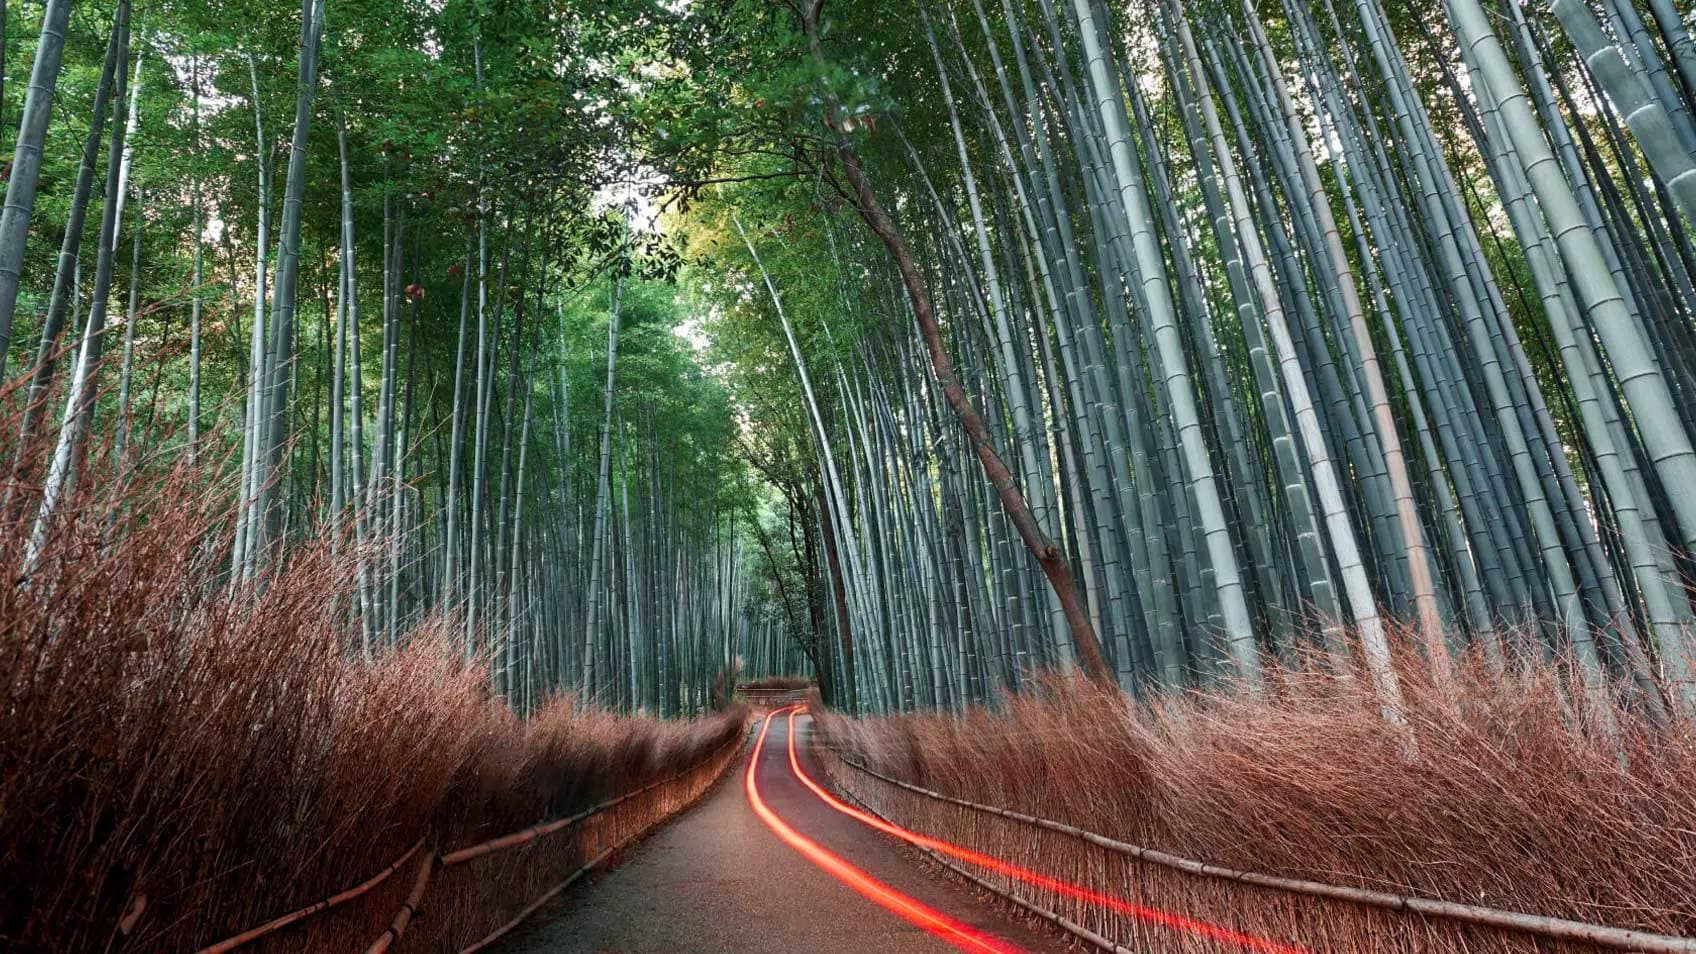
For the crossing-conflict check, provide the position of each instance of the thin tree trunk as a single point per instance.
(63, 297)
(79, 403)
(198, 278)
(26, 158)
(274, 418)
(603, 482)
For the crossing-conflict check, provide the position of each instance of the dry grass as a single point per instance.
(1503, 803)
(213, 752)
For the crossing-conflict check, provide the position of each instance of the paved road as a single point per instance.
(720, 880)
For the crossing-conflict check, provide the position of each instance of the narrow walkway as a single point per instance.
(717, 879)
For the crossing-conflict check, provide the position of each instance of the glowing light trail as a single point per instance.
(1119, 905)
(962, 936)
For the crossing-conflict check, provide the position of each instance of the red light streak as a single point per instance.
(961, 936)
(1138, 911)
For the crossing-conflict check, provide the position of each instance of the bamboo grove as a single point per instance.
(925, 346)
(372, 276)
(1301, 331)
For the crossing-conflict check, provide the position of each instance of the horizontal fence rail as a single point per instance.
(773, 697)
(730, 747)
(536, 905)
(433, 860)
(1560, 929)
(312, 910)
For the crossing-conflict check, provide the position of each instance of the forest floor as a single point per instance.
(719, 879)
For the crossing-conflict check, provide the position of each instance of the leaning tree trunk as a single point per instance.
(1047, 553)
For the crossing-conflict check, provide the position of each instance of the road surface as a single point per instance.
(720, 879)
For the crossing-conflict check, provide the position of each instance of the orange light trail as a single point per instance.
(1138, 911)
(962, 936)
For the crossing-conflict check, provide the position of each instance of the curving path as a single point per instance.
(722, 878)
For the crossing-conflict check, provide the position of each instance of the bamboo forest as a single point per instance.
(1210, 475)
